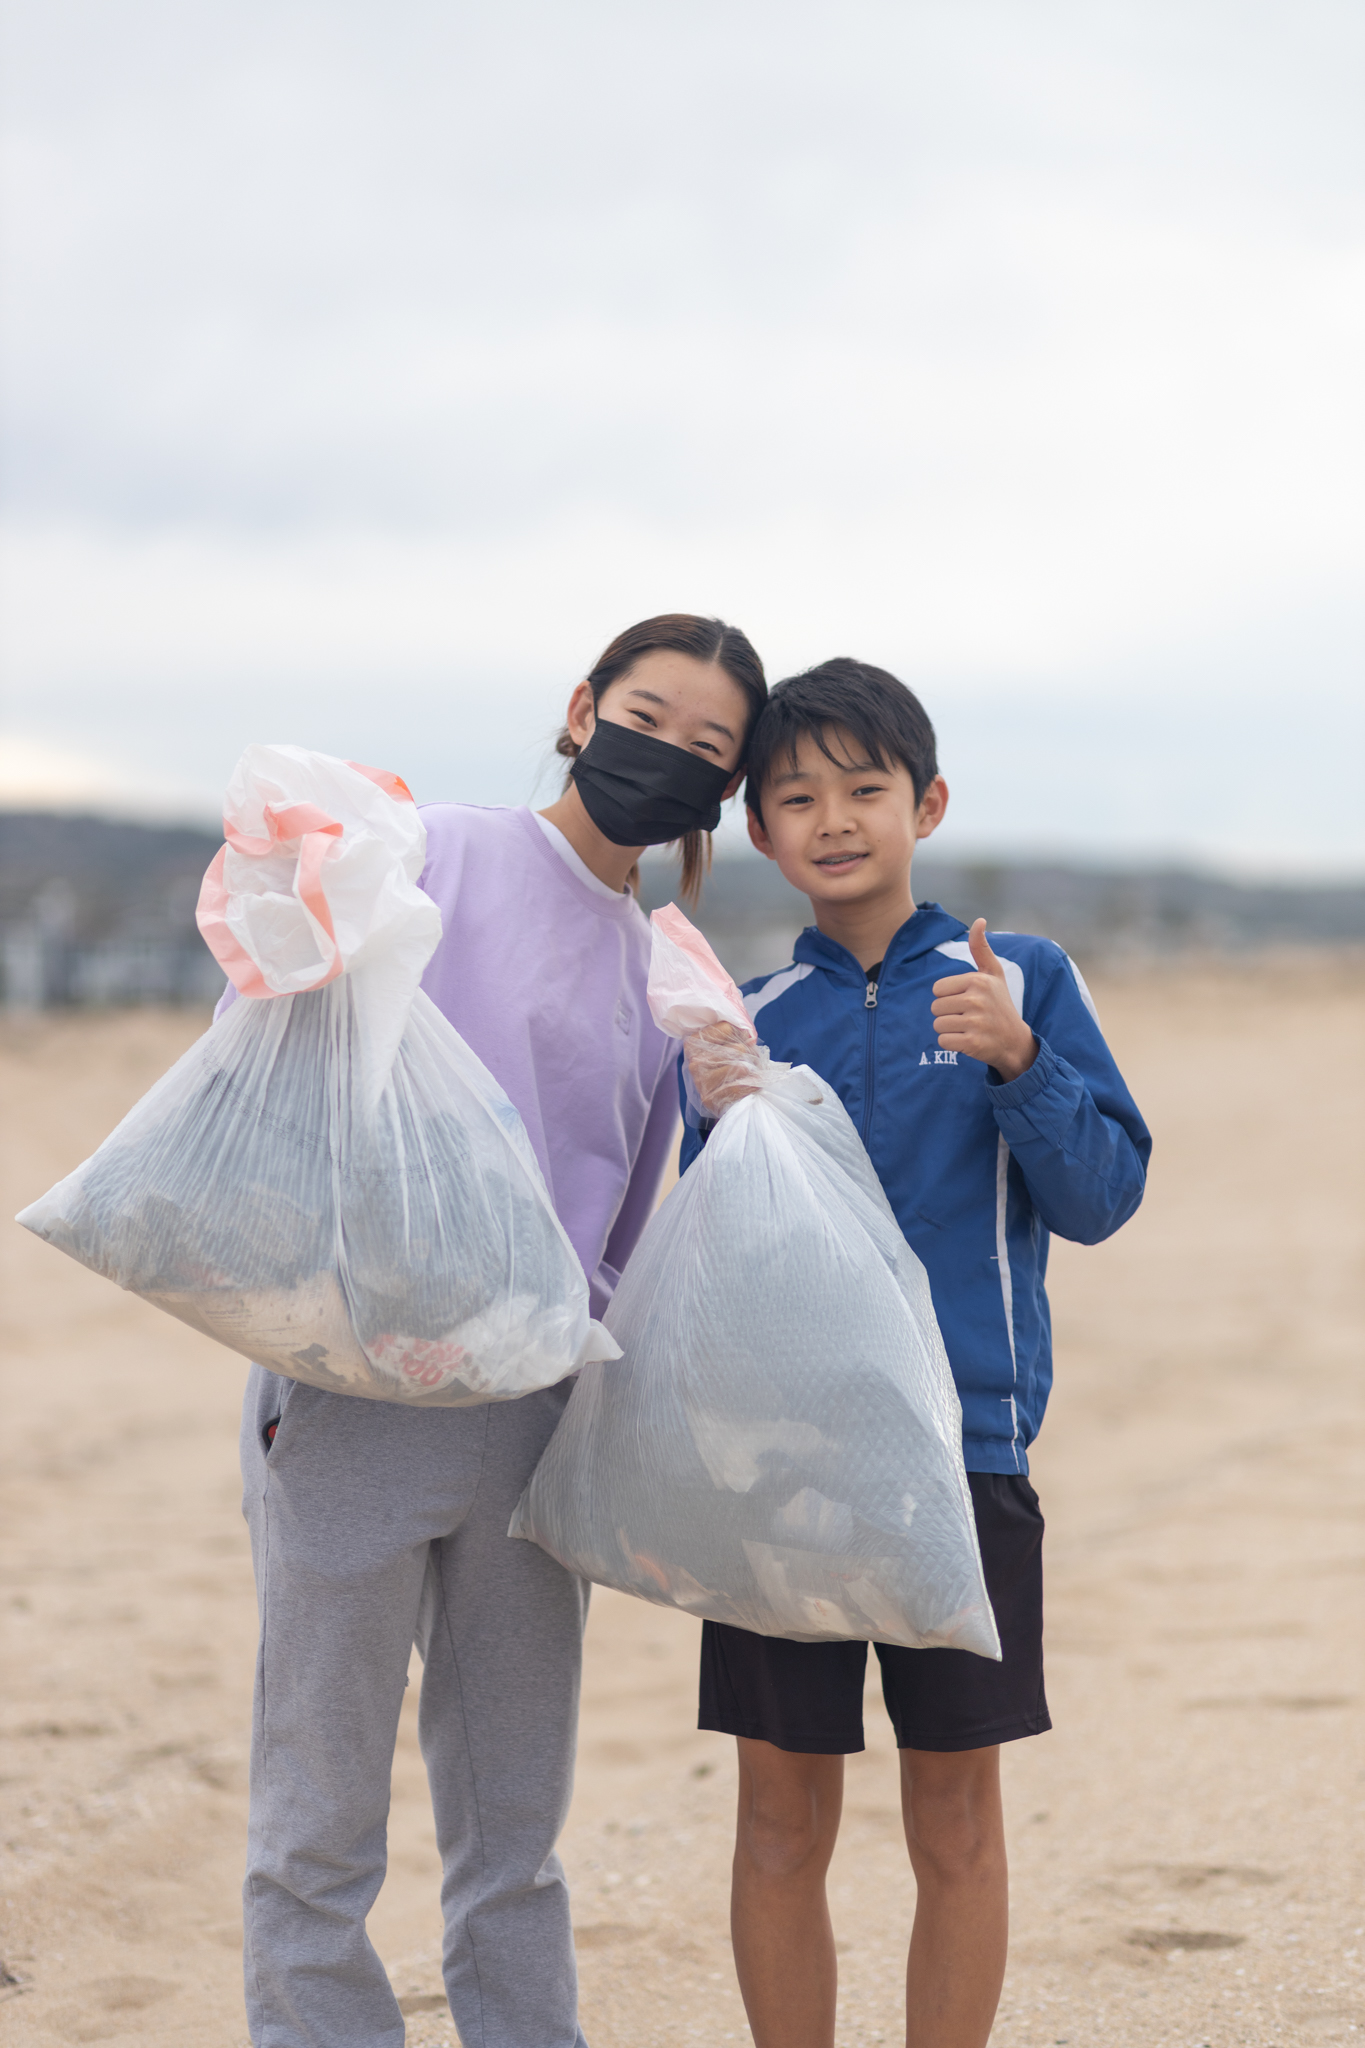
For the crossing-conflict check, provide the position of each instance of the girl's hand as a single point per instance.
(975, 1014)
(723, 1064)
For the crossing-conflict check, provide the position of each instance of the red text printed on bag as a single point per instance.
(425, 1361)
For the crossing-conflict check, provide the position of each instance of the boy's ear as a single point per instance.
(758, 835)
(929, 816)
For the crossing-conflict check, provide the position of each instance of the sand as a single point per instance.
(1186, 1845)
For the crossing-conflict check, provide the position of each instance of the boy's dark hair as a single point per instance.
(887, 721)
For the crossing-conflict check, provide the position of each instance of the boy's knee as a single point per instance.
(782, 1842)
(954, 1843)
(789, 1810)
(953, 1820)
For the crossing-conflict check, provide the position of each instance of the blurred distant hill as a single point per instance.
(752, 916)
(93, 910)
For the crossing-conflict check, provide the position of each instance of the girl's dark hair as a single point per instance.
(885, 719)
(708, 640)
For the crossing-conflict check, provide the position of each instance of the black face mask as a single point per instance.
(640, 791)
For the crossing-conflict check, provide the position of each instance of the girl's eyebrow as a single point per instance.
(709, 724)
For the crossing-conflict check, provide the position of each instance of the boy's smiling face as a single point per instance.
(842, 830)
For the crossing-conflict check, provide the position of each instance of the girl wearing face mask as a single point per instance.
(374, 1525)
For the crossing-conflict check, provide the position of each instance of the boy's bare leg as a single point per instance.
(789, 1807)
(955, 1831)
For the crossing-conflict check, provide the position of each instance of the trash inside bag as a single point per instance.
(780, 1447)
(330, 1181)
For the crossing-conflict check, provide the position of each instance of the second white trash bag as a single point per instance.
(330, 1181)
(780, 1447)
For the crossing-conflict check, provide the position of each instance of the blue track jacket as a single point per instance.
(978, 1174)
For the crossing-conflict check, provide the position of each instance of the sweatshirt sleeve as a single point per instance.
(637, 1205)
(1071, 1125)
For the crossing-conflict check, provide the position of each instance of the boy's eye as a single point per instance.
(790, 802)
(870, 789)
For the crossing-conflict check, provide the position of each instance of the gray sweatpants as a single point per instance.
(375, 1526)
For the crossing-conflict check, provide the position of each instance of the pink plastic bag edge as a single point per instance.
(671, 922)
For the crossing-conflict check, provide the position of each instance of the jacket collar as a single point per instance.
(929, 927)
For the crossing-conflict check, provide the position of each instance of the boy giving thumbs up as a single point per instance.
(993, 1112)
(976, 1014)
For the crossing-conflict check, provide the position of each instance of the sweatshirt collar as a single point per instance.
(930, 926)
(575, 862)
(603, 902)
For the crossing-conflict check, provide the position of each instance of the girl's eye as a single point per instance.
(705, 745)
(643, 716)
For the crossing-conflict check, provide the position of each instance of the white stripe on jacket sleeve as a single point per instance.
(1002, 1260)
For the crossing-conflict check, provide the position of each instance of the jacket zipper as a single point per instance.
(870, 1006)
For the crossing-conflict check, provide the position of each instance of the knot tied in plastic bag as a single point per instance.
(330, 1181)
(691, 997)
(318, 879)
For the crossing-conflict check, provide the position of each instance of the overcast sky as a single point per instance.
(368, 366)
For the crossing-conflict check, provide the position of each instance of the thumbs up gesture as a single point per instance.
(975, 1013)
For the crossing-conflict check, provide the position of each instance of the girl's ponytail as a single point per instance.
(708, 640)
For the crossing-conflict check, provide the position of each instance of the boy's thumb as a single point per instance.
(981, 952)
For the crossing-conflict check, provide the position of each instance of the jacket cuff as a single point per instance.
(1020, 1093)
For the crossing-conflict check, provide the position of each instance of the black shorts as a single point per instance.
(808, 1697)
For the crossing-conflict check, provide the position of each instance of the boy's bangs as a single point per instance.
(874, 752)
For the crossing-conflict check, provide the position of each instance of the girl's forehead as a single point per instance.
(669, 669)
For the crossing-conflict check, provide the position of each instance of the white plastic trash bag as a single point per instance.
(330, 1181)
(780, 1447)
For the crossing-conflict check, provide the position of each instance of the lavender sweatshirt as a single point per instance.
(543, 974)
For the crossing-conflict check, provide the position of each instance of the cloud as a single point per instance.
(416, 350)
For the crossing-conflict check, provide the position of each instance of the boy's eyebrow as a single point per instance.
(845, 768)
(709, 724)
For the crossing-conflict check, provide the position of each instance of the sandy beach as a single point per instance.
(1187, 1846)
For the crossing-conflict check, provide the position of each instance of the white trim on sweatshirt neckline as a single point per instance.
(575, 862)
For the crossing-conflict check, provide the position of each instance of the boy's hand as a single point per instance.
(975, 1014)
(723, 1066)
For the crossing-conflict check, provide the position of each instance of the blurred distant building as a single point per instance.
(98, 912)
